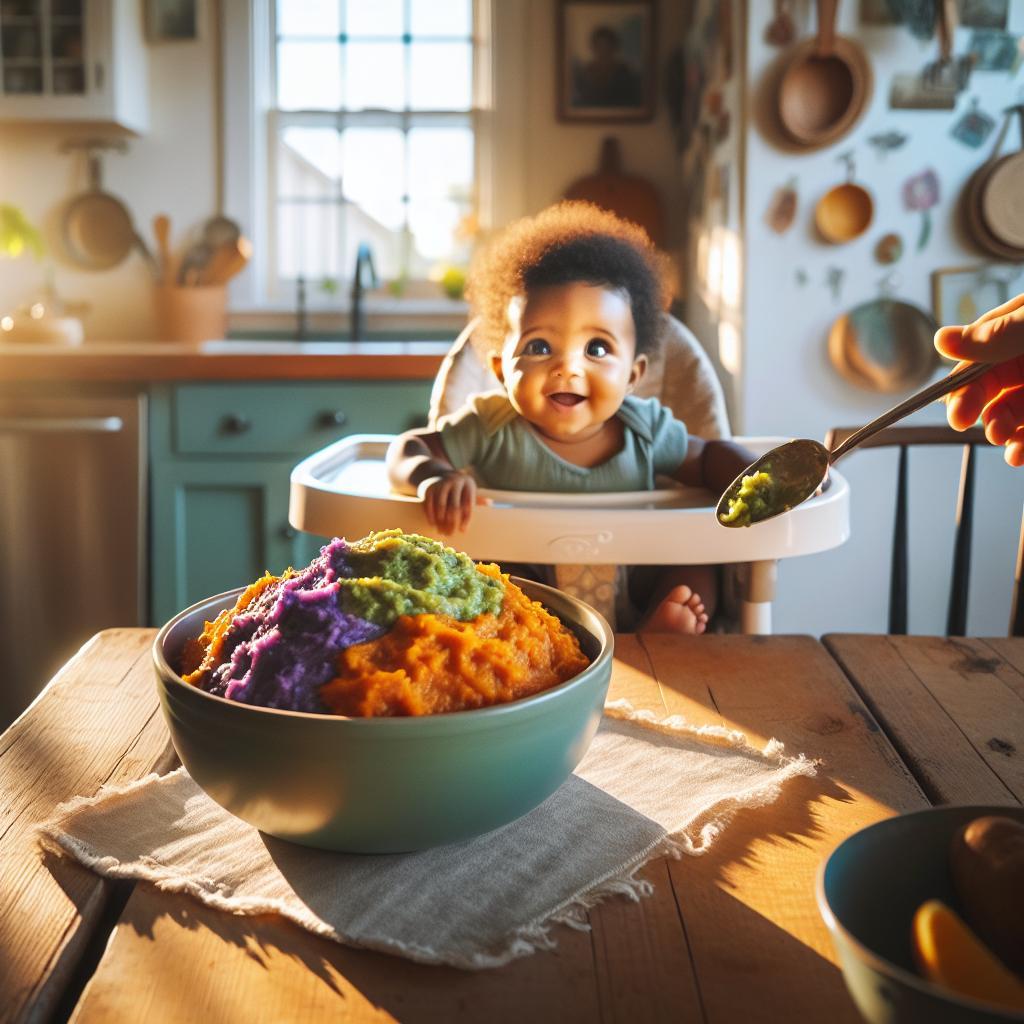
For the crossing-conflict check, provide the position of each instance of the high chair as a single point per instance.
(587, 538)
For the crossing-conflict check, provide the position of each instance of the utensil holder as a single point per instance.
(191, 314)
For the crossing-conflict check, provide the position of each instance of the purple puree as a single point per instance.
(284, 646)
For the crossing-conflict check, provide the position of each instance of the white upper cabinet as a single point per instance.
(73, 60)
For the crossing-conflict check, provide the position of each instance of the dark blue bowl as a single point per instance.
(868, 891)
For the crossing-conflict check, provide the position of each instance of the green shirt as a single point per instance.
(506, 453)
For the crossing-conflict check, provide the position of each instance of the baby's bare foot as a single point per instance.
(681, 611)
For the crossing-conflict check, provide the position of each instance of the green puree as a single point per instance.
(756, 499)
(396, 573)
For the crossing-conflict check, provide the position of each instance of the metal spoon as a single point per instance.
(797, 469)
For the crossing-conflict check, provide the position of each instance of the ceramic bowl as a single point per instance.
(384, 785)
(868, 891)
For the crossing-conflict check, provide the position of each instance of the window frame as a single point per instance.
(248, 139)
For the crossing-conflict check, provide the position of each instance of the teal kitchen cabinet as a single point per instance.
(220, 459)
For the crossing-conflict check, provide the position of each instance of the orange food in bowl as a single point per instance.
(431, 664)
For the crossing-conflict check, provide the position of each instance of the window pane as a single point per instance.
(310, 240)
(433, 225)
(374, 76)
(309, 163)
(308, 76)
(308, 18)
(440, 76)
(373, 173)
(441, 18)
(440, 163)
(374, 18)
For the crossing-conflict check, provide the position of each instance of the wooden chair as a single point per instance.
(907, 437)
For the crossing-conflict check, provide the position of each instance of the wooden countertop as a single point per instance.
(734, 935)
(221, 360)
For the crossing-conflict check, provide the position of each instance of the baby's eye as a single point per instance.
(598, 348)
(536, 347)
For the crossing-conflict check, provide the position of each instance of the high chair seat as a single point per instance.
(344, 490)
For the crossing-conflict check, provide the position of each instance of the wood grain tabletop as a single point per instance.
(895, 722)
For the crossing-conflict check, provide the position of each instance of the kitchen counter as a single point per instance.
(222, 360)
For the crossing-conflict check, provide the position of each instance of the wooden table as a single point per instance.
(731, 936)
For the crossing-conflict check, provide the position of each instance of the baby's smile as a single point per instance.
(566, 398)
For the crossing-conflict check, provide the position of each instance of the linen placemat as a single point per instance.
(645, 788)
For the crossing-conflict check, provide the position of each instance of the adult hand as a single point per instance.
(448, 500)
(998, 396)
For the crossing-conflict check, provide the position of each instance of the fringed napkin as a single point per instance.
(645, 788)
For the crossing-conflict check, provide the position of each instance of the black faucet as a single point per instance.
(364, 258)
(300, 308)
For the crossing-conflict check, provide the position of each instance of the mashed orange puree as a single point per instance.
(430, 664)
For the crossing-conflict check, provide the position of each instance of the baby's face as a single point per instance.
(570, 359)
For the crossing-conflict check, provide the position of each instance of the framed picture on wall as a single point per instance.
(171, 20)
(961, 294)
(606, 64)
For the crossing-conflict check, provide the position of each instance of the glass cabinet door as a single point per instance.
(42, 47)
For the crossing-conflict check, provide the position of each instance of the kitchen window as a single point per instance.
(365, 121)
(372, 138)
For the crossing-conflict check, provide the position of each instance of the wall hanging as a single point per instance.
(974, 126)
(884, 344)
(844, 212)
(993, 212)
(825, 85)
(961, 294)
(921, 193)
(606, 63)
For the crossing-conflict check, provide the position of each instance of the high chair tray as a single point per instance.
(342, 490)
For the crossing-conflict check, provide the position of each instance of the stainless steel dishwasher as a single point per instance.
(72, 532)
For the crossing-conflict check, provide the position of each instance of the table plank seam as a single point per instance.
(876, 722)
(653, 671)
(902, 750)
(84, 937)
(84, 952)
(689, 948)
(970, 656)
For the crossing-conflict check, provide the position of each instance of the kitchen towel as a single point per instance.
(645, 788)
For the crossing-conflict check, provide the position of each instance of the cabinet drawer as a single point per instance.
(290, 419)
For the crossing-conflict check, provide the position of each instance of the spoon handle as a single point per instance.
(952, 381)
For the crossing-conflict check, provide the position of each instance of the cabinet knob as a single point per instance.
(289, 532)
(331, 418)
(235, 423)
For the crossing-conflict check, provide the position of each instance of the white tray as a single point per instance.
(342, 490)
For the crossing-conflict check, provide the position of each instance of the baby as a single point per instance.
(569, 304)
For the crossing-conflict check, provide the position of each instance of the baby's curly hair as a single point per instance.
(569, 242)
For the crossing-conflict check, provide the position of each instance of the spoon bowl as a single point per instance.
(776, 482)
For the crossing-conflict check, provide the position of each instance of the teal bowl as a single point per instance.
(384, 785)
(868, 891)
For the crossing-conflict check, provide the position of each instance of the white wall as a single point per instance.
(169, 170)
(787, 385)
(555, 154)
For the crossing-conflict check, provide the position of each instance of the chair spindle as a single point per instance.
(956, 619)
(898, 577)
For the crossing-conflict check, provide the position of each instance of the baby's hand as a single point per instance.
(448, 500)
